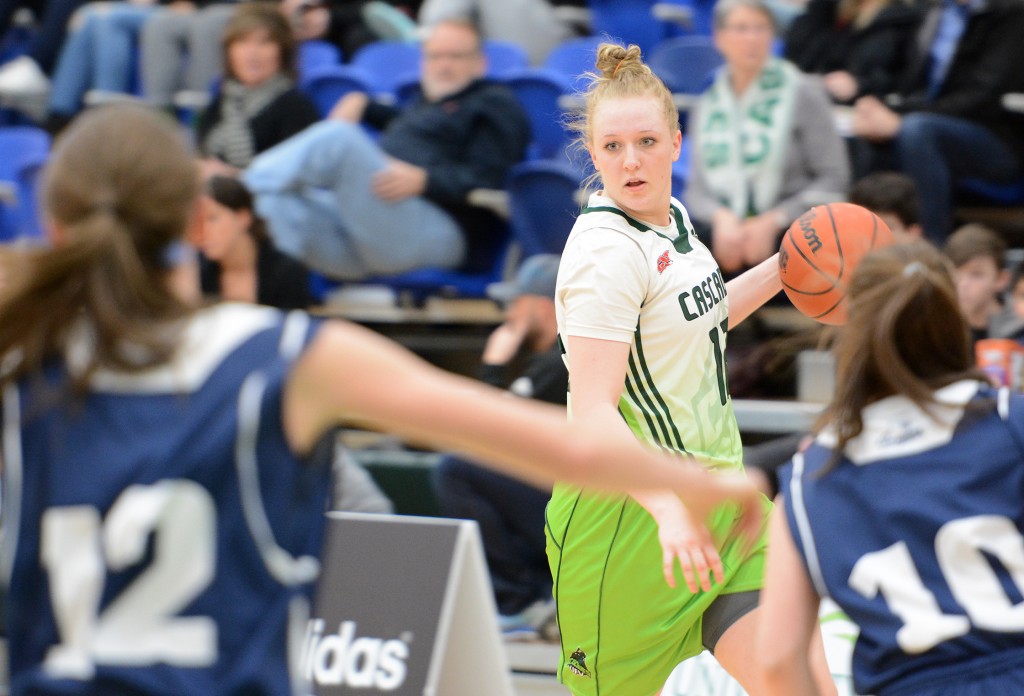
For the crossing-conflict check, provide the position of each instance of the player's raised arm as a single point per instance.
(353, 375)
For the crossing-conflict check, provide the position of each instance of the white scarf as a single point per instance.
(743, 141)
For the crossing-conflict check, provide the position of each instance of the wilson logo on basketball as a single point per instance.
(663, 262)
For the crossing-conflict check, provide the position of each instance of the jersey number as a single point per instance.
(720, 366)
(140, 626)
(973, 582)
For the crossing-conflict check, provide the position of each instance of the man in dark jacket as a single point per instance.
(947, 121)
(353, 208)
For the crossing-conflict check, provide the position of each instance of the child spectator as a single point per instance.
(979, 255)
(893, 197)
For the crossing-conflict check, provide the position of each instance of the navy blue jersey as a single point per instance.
(917, 534)
(159, 535)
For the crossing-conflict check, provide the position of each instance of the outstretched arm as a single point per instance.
(747, 292)
(349, 374)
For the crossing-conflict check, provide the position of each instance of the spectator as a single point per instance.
(240, 263)
(179, 50)
(511, 513)
(764, 146)
(98, 55)
(946, 120)
(28, 74)
(893, 197)
(352, 208)
(979, 256)
(258, 105)
(350, 24)
(536, 25)
(857, 46)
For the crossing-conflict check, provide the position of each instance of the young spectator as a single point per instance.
(893, 197)
(97, 55)
(764, 146)
(906, 511)
(240, 263)
(979, 256)
(946, 120)
(857, 46)
(352, 208)
(159, 455)
(510, 513)
(179, 50)
(28, 74)
(258, 104)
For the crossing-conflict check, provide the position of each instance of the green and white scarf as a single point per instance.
(743, 141)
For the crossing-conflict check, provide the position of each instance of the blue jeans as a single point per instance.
(99, 55)
(314, 191)
(936, 150)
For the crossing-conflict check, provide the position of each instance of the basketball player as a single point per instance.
(163, 503)
(643, 313)
(907, 508)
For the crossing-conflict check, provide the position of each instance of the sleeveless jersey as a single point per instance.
(159, 535)
(660, 291)
(917, 534)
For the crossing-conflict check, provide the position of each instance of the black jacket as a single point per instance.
(466, 141)
(281, 281)
(282, 118)
(874, 54)
(986, 65)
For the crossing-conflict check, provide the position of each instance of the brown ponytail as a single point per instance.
(119, 190)
(905, 336)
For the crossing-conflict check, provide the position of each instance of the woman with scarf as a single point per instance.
(764, 146)
(258, 104)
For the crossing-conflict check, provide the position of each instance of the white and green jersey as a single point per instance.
(660, 290)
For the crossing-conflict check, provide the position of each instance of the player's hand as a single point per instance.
(687, 541)
(739, 489)
(399, 180)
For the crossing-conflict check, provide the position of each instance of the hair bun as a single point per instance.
(612, 59)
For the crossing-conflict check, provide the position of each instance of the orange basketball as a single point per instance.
(819, 252)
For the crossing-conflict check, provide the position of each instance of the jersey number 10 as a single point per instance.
(967, 572)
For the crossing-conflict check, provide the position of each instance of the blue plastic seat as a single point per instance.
(630, 21)
(574, 57)
(543, 205)
(387, 62)
(686, 64)
(327, 84)
(504, 57)
(538, 91)
(23, 152)
(314, 54)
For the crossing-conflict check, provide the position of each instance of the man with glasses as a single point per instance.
(352, 208)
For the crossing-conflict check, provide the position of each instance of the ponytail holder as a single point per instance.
(616, 69)
(912, 268)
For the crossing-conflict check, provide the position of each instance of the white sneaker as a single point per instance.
(23, 77)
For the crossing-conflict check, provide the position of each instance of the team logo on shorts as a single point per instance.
(578, 663)
(663, 262)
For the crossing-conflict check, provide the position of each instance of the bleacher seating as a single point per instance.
(23, 151)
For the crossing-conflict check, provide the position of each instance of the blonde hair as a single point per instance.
(119, 187)
(620, 72)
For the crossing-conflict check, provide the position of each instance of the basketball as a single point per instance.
(819, 252)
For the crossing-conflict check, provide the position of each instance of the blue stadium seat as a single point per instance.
(23, 152)
(543, 205)
(504, 57)
(327, 84)
(574, 57)
(630, 21)
(685, 64)
(387, 62)
(538, 91)
(314, 54)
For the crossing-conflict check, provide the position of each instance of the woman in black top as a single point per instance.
(239, 262)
